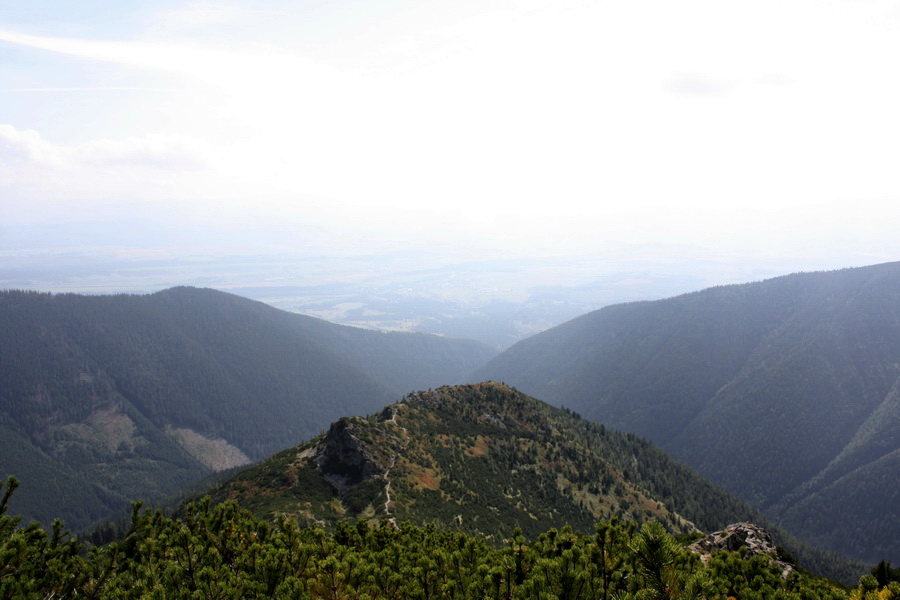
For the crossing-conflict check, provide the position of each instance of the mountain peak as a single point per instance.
(481, 456)
(484, 458)
(484, 392)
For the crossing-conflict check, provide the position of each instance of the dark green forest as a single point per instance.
(108, 398)
(785, 392)
(222, 551)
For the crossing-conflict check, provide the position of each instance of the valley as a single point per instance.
(784, 392)
(117, 398)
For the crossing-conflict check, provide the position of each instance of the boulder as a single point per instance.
(754, 538)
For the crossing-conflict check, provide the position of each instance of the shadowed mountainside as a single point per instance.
(105, 399)
(785, 391)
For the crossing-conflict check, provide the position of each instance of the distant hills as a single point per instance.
(107, 399)
(785, 391)
(485, 459)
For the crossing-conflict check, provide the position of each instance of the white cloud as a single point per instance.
(155, 177)
(27, 146)
(575, 117)
(164, 152)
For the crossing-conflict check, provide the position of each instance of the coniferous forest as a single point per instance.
(105, 399)
(785, 392)
(223, 551)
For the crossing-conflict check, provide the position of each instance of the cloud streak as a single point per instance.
(219, 66)
(83, 89)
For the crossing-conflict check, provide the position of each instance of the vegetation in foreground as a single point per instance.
(226, 552)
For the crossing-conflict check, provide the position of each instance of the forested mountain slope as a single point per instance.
(486, 459)
(783, 391)
(105, 399)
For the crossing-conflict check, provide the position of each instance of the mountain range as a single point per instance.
(785, 392)
(107, 399)
(488, 460)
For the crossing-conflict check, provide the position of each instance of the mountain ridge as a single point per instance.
(486, 459)
(763, 387)
(129, 396)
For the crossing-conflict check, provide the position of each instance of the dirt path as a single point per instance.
(387, 485)
(393, 420)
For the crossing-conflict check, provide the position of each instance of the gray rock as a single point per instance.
(741, 535)
(343, 460)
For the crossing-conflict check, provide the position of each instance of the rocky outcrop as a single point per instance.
(754, 538)
(353, 451)
(342, 460)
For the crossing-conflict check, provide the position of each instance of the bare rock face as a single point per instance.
(343, 460)
(741, 535)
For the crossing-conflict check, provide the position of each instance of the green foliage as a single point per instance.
(884, 574)
(226, 552)
(871, 588)
(33, 563)
(663, 570)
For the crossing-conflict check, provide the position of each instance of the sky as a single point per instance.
(756, 130)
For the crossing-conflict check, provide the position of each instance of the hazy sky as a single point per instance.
(768, 128)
